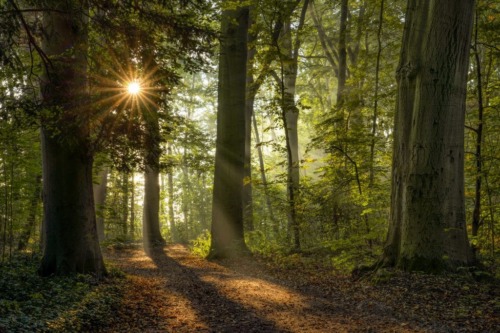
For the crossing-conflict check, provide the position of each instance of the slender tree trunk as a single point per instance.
(263, 176)
(5, 206)
(125, 181)
(171, 216)
(375, 103)
(132, 208)
(31, 221)
(100, 191)
(476, 214)
(290, 115)
(71, 244)
(204, 208)
(249, 110)
(186, 192)
(227, 210)
(427, 229)
(342, 46)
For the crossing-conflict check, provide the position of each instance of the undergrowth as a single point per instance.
(201, 245)
(30, 303)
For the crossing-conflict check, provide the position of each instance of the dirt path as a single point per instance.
(174, 291)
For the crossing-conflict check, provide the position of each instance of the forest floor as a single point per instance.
(175, 291)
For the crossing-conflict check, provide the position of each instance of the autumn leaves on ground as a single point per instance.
(175, 291)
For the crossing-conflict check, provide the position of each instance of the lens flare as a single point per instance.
(134, 88)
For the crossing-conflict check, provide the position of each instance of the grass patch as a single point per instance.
(30, 303)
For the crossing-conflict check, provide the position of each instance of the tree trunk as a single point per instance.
(125, 181)
(290, 114)
(375, 104)
(170, 180)
(151, 233)
(132, 208)
(30, 222)
(342, 46)
(227, 210)
(71, 244)
(476, 214)
(427, 229)
(249, 110)
(100, 191)
(263, 177)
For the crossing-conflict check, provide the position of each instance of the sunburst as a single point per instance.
(134, 87)
(131, 89)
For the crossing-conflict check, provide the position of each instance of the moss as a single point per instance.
(427, 265)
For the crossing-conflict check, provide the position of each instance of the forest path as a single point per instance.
(175, 291)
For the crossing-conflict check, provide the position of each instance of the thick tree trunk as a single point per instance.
(427, 227)
(227, 210)
(151, 233)
(71, 243)
(100, 191)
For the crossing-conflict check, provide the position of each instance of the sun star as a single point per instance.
(134, 88)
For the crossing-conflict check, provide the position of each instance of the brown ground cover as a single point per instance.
(174, 291)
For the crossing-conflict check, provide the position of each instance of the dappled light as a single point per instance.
(192, 294)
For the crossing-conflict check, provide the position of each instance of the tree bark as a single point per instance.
(151, 233)
(289, 55)
(427, 230)
(375, 103)
(263, 177)
(100, 191)
(171, 217)
(227, 210)
(125, 209)
(71, 244)
(342, 46)
(132, 207)
(476, 214)
(249, 110)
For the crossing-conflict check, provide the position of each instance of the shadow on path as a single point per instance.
(217, 311)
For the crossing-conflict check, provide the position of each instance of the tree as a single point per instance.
(71, 243)
(150, 218)
(289, 56)
(427, 225)
(100, 190)
(227, 210)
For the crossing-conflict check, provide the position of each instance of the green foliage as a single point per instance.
(201, 245)
(258, 242)
(29, 303)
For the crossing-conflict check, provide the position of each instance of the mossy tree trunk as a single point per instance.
(427, 229)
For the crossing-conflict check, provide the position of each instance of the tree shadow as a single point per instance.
(218, 312)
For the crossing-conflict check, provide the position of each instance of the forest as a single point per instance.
(249, 166)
